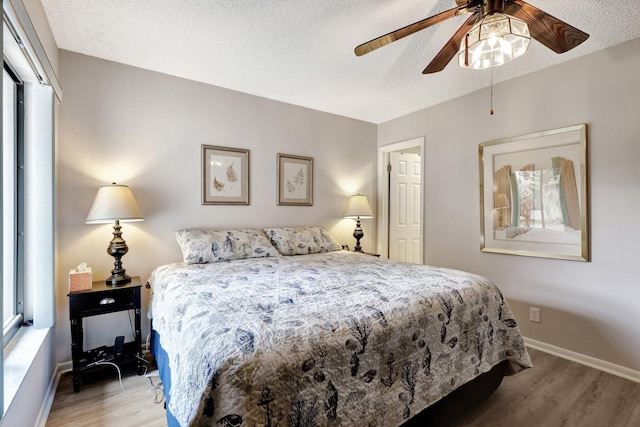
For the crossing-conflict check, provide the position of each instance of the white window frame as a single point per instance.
(22, 48)
(12, 207)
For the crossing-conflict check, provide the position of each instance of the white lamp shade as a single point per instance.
(114, 202)
(358, 207)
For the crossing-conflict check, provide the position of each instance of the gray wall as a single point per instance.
(145, 129)
(590, 308)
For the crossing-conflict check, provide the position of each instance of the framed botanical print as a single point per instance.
(295, 180)
(225, 176)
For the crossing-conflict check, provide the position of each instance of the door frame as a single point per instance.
(383, 192)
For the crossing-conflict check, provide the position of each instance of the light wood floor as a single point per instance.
(555, 392)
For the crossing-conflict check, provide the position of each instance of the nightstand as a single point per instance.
(103, 299)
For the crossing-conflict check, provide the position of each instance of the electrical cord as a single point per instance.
(133, 333)
(154, 387)
(142, 359)
(158, 389)
(104, 362)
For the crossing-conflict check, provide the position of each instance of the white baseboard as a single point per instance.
(47, 403)
(592, 362)
(65, 367)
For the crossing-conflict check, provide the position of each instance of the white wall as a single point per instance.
(590, 308)
(145, 129)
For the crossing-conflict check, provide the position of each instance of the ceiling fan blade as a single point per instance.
(413, 28)
(548, 30)
(451, 48)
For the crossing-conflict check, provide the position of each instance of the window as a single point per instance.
(27, 203)
(12, 204)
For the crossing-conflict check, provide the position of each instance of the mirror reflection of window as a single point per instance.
(545, 200)
(539, 199)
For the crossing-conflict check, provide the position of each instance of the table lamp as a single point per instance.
(358, 208)
(115, 203)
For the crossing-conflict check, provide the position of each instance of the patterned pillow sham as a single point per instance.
(201, 246)
(302, 240)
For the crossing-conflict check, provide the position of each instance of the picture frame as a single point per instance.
(225, 175)
(295, 180)
(534, 195)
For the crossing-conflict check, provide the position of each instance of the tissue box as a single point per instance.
(79, 280)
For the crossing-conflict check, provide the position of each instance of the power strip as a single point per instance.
(106, 357)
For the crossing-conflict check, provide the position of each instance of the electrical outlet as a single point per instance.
(534, 314)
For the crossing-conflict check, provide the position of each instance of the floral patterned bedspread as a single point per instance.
(339, 338)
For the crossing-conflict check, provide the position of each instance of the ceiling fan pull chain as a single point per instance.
(491, 106)
(466, 50)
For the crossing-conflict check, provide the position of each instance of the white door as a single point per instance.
(405, 231)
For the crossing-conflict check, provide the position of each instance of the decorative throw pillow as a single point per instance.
(302, 240)
(201, 246)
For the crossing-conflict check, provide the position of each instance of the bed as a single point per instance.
(280, 327)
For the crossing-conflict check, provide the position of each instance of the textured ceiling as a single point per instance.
(301, 51)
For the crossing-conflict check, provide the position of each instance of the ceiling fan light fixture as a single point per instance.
(495, 40)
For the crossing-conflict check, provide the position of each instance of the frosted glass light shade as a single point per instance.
(495, 40)
(359, 208)
(114, 202)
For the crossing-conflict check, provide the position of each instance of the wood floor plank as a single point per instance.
(555, 393)
(104, 404)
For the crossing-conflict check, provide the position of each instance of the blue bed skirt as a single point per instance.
(162, 360)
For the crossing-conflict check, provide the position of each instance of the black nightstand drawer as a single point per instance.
(93, 303)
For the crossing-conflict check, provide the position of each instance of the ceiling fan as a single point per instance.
(548, 30)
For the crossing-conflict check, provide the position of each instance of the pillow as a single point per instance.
(302, 240)
(201, 246)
